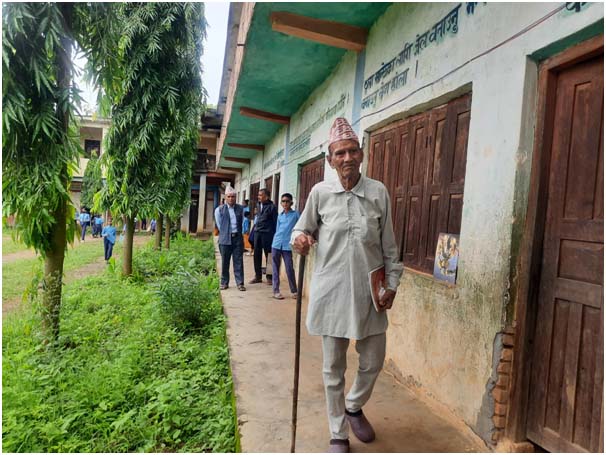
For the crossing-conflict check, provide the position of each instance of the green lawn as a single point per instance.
(11, 246)
(17, 275)
(142, 364)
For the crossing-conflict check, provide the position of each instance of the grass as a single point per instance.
(17, 275)
(127, 376)
(11, 246)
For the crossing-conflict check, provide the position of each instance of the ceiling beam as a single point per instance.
(331, 33)
(234, 169)
(247, 146)
(264, 115)
(237, 160)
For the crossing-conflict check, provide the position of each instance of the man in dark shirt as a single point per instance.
(265, 228)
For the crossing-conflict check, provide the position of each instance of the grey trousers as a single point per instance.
(371, 352)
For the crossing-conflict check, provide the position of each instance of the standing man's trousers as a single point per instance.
(263, 241)
(235, 250)
(290, 271)
(371, 351)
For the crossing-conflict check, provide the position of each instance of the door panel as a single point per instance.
(565, 405)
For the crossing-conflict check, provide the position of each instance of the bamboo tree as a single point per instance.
(92, 182)
(38, 137)
(152, 79)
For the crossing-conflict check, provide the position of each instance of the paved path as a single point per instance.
(261, 340)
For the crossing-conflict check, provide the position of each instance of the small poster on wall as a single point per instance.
(447, 258)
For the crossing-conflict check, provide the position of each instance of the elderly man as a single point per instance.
(229, 218)
(350, 221)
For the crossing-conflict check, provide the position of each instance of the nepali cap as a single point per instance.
(341, 130)
(229, 191)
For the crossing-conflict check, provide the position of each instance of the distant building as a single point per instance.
(207, 181)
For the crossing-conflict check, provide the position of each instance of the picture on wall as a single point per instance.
(447, 258)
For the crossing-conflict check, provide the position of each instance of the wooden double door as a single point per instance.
(565, 408)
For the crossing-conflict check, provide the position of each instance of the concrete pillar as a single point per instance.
(202, 205)
(185, 219)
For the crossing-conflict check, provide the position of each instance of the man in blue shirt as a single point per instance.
(109, 239)
(84, 221)
(280, 247)
(229, 218)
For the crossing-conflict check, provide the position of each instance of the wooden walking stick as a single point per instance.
(295, 390)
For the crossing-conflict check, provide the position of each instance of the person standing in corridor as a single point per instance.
(280, 247)
(265, 227)
(229, 219)
(350, 222)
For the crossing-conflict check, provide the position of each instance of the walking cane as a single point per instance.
(295, 390)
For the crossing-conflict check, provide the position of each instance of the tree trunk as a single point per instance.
(55, 255)
(127, 262)
(167, 233)
(159, 227)
(53, 276)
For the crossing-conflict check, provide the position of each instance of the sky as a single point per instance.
(212, 61)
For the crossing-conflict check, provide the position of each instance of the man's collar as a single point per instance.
(358, 190)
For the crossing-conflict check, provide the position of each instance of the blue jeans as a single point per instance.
(84, 226)
(235, 250)
(108, 248)
(290, 271)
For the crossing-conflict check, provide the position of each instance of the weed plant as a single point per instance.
(127, 376)
(184, 253)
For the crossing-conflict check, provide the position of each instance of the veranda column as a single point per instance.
(185, 219)
(202, 205)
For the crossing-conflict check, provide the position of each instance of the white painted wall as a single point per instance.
(440, 337)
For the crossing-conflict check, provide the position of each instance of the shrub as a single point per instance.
(125, 379)
(185, 253)
(187, 299)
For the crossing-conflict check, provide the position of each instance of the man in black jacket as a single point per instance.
(265, 228)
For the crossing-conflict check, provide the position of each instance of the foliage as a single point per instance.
(154, 83)
(92, 182)
(184, 254)
(184, 299)
(126, 379)
(38, 149)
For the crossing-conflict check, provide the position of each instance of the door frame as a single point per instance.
(528, 267)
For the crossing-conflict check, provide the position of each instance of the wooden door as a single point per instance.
(268, 186)
(311, 174)
(193, 211)
(209, 211)
(277, 190)
(254, 198)
(566, 384)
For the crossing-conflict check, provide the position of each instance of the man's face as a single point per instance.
(262, 197)
(230, 198)
(345, 158)
(286, 203)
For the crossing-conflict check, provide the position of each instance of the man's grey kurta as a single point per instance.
(354, 235)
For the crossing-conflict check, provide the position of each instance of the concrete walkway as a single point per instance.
(261, 341)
